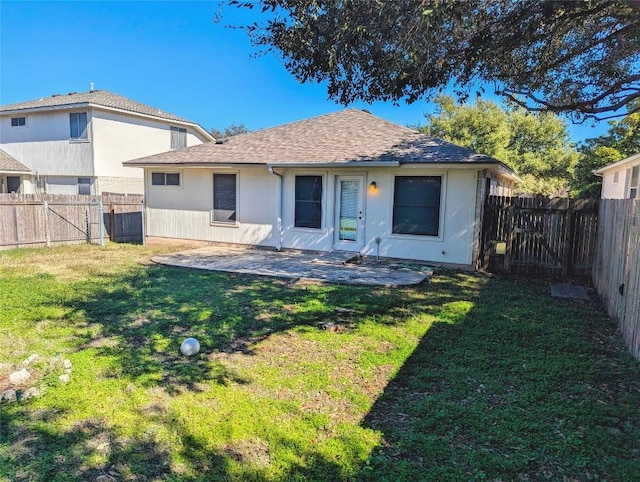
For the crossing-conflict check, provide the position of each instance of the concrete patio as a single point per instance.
(334, 267)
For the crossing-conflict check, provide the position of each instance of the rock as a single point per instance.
(66, 364)
(30, 392)
(21, 376)
(8, 395)
(64, 378)
(30, 360)
(331, 327)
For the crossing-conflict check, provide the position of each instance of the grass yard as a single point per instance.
(468, 378)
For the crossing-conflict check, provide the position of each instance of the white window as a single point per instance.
(18, 121)
(78, 125)
(308, 200)
(616, 177)
(634, 185)
(165, 178)
(84, 186)
(225, 200)
(416, 205)
(178, 137)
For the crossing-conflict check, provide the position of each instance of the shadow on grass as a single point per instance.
(507, 384)
(521, 387)
(140, 319)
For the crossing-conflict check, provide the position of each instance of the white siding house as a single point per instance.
(346, 181)
(621, 180)
(76, 143)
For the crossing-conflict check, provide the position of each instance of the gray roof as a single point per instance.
(98, 98)
(10, 164)
(340, 138)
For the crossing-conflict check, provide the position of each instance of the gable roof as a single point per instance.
(9, 164)
(342, 138)
(95, 98)
(617, 165)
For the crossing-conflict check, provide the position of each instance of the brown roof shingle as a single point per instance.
(102, 98)
(9, 163)
(342, 137)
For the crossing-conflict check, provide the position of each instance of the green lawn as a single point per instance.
(467, 378)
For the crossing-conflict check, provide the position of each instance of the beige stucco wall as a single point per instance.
(185, 212)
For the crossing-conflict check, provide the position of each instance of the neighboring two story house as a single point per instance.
(76, 143)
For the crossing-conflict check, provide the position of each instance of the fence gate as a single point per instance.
(68, 222)
(543, 236)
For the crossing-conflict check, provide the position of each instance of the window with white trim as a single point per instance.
(225, 202)
(18, 121)
(178, 137)
(634, 184)
(416, 205)
(308, 202)
(78, 126)
(165, 178)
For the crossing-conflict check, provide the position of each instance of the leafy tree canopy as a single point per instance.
(621, 140)
(232, 130)
(535, 145)
(581, 58)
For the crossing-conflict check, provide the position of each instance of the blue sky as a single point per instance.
(170, 55)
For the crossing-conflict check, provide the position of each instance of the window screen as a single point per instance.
(416, 205)
(224, 198)
(165, 179)
(78, 125)
(84, 185)
(308, 199)
(178, 137)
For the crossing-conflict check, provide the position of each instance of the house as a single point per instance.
(14, 176)
(76, 143)
(621, 180)
(344, 181)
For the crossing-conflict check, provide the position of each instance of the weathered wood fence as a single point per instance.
(47, 219)
(553, 237)
(616, 270)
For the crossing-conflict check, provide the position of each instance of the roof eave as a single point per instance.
(603, 170)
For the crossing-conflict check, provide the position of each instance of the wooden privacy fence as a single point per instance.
(616, 270)
(553, 237)
(46, 219)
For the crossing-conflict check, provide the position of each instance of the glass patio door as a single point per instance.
(349, 218)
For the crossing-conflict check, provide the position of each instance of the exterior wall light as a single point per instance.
(373, 187)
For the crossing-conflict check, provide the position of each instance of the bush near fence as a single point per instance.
(50, 219)
(616, 270)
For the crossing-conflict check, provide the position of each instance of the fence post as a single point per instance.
(101, 217)
(112, 223)
(144, 227)
(511, 210)
(567, 240)
(47, 234)
(88, 218)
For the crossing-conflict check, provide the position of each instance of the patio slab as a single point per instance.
(330, 267)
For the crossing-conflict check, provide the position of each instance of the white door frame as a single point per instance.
(358, 243)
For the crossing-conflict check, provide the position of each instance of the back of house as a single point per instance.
(346, 181)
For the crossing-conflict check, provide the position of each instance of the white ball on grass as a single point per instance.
(190, 346)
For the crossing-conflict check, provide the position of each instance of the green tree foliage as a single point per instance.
(576, 57)
(621, 140)
(535, 145)
(232, 130)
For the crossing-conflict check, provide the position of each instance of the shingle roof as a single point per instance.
(10, 164)
(102, 98)
(343, 137)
